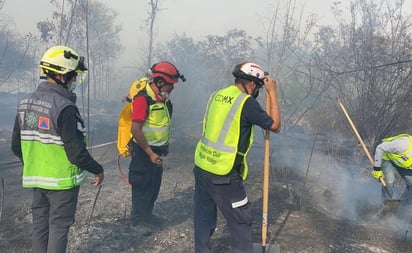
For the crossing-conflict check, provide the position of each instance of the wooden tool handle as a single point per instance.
(266, 178)
(359, 138)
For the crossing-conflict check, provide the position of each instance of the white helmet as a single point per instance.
(249, 71)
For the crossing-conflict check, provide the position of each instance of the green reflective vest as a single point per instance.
(217, 149)
(45, 163)
(403, 160)
(156, 128)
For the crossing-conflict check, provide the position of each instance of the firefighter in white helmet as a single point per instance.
(220, 156)
(49, 138)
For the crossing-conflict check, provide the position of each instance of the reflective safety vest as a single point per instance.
(217, 149)
(45, 163)
(156, 128)
(403, 160)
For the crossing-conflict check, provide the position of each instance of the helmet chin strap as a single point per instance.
(52, 76)
(244, 87)
(59, 82)
(255, 91)
(160, 86)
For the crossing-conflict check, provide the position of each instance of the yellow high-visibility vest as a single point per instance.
(217, 149)
(156, 128)
(403, 160)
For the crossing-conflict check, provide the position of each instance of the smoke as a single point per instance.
(336, 180)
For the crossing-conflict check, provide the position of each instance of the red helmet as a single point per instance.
(167, 71)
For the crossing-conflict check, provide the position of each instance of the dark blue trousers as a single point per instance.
(145, 178)
(145, 190)
(228, 194)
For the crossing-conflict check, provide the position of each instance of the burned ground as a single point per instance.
(321, 201)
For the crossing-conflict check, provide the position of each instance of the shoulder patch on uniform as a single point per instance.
(30, 119)
(44, 123)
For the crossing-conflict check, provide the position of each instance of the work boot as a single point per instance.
(142, 228)
(155, 220)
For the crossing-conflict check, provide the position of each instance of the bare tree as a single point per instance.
(15, 56)
(190, 60)
(66, 25)
(102, 45)
(207, 64)
(150, 22)
(104, 48)
(222, 53)
(367, 60)
(15, 67)
(286, 46)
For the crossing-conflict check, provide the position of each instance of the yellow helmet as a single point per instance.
(61, 60)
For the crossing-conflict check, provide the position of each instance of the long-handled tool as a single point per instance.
(94, 205)
(264, 247)
(389, 205)
(382, 180)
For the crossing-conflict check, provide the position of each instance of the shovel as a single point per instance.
(389, 205)
(382, 180)
(264, 247)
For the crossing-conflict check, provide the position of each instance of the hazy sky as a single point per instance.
(196, 18)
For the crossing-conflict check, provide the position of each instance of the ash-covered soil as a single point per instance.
(320, 201)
